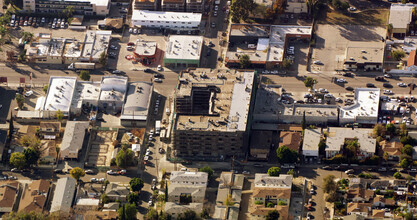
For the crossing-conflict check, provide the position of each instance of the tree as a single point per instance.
(403, 129)
(286, 155)
(390, 128)
(286, 63)
(322, 147)
(69, 11)
(240, 9)
(397, 175)
(303, 122)
(166, 216)
(136, 184)
(77, 173)
(45, 89)
(208, 170)
(125, 157)
(292, 172)
(274, 171)
(59, 115)
(398, 54)
(25, 216)
(188, 215)
(406, 140)
(389, 30)
(244, 61)
(408, 150)
(103, 59)
(85, 75)
(379, 130)
(404, 163)
(133, 198)
(27, 36)
(128, 211)
(104, 198)
(329, 184)
(409, 216)
(309, 82)
(20, 101)
(31, 156)
(18, 160)
(152, 214)
(30, 141)
(272, 215)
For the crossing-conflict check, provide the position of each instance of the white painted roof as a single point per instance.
(113, 88)
(281, 181)
(336, 138)
(60, 92)
(311, 142)
(162, 16)
(85, 90)
(184, 47)
(366, 104)
(188, 178)
(94, 2)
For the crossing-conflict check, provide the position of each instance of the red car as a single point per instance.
(130, 44)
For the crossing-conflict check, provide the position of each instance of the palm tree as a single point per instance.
(389, 30)
(311, 6)
(68, 11)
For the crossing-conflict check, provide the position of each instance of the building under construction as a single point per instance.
(212, 110)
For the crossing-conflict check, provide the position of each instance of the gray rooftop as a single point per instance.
(73, 137)
(311, 142)
(336, 138)
(400, 15)
(63, 195)
(137, 102)
(281, 181)
(188, 178)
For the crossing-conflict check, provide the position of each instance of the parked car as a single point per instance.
(158, 80)
(370, 85)
(318, 62)
(159, 68)
(122, 172)
(350, 171)
(111, 172)
(89, 171)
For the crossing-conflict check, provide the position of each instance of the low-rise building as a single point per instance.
(275, 190)
(113, 92)
(8, 195)
(49, 130)
(117, 192)
(230, 187)
(392, 149)
(183, 51)
(187, 187)
(366, 56)
(136, 107)
(48, 151)
(173, 5)
(174, 209)
(290, 139)
(360, 195)
(311, 142)
(86, 204)
(362, 209)
(102, 215)
(337, 136)
(380, 202)
(145, 51)
(63, 195)
(296, 6)
(166, 20)
(260, 144)
(400, 17)
(34, 196)
(365, 107)
(195, 5)
(73, 139)
(82, 7)
(151, 5)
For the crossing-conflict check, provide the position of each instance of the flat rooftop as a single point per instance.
(85, 91)
(138, 99)
(60, 93)
(145, 48)
(249, 30)
(94, 2)
(73, 48)
(95, 43)
(228, 105)
(336, 138)
(310, 110)
(184, 47)
(113, 88)
(365, 52)
(400, 15)
(366, 104)
(311, 142)
(155, 16)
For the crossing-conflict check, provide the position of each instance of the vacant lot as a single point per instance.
(377, 17)
(101, 148)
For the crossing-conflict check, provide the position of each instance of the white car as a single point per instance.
(318, 62)
(135, 31)
(352, 9)
(159, 68)
(157, 80)
(93, 180)
(111, 172)
(401, 84)
(216, 8)
(388, 92)
(341, 81)
(350, 171)
(29, 93)
(130, 30)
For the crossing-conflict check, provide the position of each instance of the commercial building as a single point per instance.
(95, 43)
(365, 108)
(366, 56)
(311, 143)
(264, 44)
(112, 92)
(400, 16)
(271, 189)
(82, 7)
(296, 6)
(63, 195)
(34, 196)
(212, 113)
(195, 5)
(8, 195)
(59, 95)
(173, 5)
(86, 94)
(183, 51)
(260, 144)
(336, 138)
(136, 107)
(166, 20)
(73, 139)
(145, 51)
(151, 5)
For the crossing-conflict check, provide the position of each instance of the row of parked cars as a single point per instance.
(38, 22)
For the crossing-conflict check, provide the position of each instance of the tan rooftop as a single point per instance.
(278, 192)
(391, 148)
(290, 139)
(8, 192)
(34, 196)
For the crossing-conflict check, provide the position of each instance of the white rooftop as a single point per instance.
(138, 99)
(162, 16)
(311, 142)
(336, 138)
(400, 15)
(94, 2)
(113, 88)
(281, 181)
(239, 107)
(88, 202)
(60, 92)
(188, 178)
(85, 91)
(184, 47)
(95, 43)
(365, 106)
(145, 48)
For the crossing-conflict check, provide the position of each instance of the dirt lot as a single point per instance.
(101, 148)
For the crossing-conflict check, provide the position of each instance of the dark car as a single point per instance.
(147, 70)
(158, 75)
(349, 88)
(387, 85)
(347, 74)
(379, 78)
(370, 85)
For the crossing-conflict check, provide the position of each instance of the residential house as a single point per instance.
(112, 206)
(73, 139)
(380, 184)
(378, 214)
(230, 187)
(360, 195)
(48, 151)
(49, 130)
(100, 215)
(271, 189)
(392, 148)
(8, 195)
(290, 139)
(311, 142)
(186, 186)
(362, 209)
(93, 190)
(260, 144)
(86, 204)
(117, 192)
(358, 183)
(380, 202)
(63, 195)
(174, 209)
(34, 196)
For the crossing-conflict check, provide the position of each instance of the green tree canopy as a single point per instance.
(390, 128)
(152, 214)
(274, 171)
(133, 198)
(59, 115)
(18, 160)
(404, 163)
(329, 184)
(241, 8)
(309, 82)
(136, 184)
(77, 173)
(286, 155)
(45, 89)
(103, 59)
(207, 170)
(244, 61)
(85, 75)
(31, 156)
(272, 215)
(69, 11)
(129, 211)
(188, 215)
(20, 101)
(408, 150)
(407, 140)
(397, 175)
(124, 157)
(398, 54)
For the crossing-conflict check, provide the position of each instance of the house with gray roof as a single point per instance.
(311, 142)
(63, 195)
(117, 192)
(73, 139)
